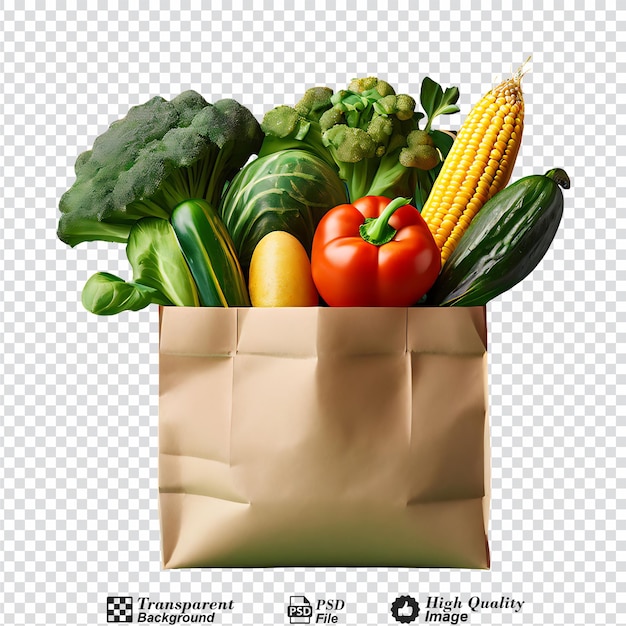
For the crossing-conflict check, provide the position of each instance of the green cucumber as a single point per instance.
(503, 243)
(210, 254)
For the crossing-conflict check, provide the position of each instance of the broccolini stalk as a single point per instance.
(399, 168)
(368, 133)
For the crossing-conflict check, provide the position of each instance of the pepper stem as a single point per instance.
(376, 230)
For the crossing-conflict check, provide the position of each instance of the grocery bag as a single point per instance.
(323, 437)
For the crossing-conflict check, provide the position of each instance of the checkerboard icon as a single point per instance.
(119, 610)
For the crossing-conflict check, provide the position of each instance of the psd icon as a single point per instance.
(299, 610)
(119, 610)
(405, 609)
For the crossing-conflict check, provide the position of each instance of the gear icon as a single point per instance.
(405, 609)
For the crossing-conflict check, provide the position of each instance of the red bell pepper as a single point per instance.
(374, 252)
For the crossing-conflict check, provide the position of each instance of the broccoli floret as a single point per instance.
(357, 109)
(285, 122)
(160, 154)
(330, 118)
(420, 151)
(314, 103)
(380, 130)
(285, 128)
(386, 105)
(349, 145)
(371, 84)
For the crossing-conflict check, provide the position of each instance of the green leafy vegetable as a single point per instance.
(160, 154)
(106, 294)
(436, 102)
(160, 273)
(158, 262)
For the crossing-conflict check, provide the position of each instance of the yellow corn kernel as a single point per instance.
(479, 164)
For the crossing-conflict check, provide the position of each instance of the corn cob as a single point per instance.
(479, 164)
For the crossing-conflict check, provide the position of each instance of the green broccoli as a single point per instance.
(160, 154)
(368, 133)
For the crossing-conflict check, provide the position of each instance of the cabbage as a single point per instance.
(289, 190)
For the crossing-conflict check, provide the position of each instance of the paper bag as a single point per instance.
(323, 437)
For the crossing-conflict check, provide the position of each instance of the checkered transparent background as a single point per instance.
(79, 514)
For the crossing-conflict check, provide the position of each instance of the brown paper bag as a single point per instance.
(323, 437)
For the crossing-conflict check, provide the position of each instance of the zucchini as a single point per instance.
(210, 254)
(503, 243)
